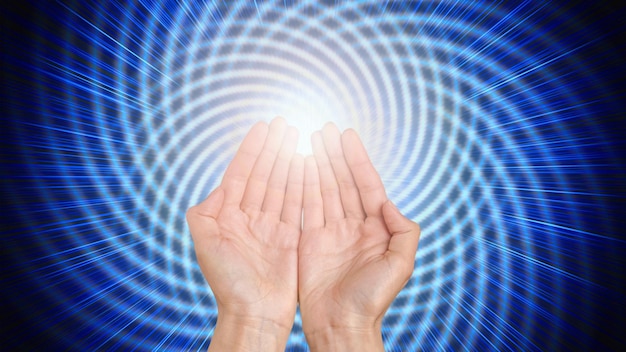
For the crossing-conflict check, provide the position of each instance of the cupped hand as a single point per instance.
(357, 250)
(246, 232)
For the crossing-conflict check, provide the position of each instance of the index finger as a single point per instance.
(238, 171)
(367, 180)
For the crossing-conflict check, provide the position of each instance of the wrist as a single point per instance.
(248, 333)
(342, 338)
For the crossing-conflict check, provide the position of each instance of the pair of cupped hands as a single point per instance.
(283, 229)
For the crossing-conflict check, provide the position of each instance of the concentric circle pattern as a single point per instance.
(494, 126)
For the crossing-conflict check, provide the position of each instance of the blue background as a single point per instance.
(498, 126)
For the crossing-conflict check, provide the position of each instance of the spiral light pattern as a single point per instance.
(481, 118)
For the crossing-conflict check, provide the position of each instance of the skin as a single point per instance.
(246, 236)
(344, 265)
(357, 251)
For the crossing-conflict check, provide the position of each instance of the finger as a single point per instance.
(257, 182)
(405, 235)
(210, 206)
(237, 173)
(347, 187)
(275, 193)
(292, 209)
(333, 209)
(367, 180)
(312, 203)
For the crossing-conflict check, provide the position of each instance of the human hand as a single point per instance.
(357, 250)
(246, 237)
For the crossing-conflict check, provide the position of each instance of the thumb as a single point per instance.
(404, 234)
(211, 206)
(201, 217)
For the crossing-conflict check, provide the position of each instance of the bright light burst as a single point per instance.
(482, 118)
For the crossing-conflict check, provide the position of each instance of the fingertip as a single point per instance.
(391, 213)
(350, 131)
(396, 221)
(349, 136)
(390, 206)
(279, 120)
(260, 125)
(279, 126)
(332, 138)
(330, 127)
(353, 148)
(212, 204)
(259, 130)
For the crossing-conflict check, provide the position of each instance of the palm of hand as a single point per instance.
(356, 250)
(344, 270)
(246, 232)
(261, 253)
(355, 253)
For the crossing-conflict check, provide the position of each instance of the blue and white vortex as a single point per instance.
(496, 126)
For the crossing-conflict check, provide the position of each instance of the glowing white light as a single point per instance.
(308, 113)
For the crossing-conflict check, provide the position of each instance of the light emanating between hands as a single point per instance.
(283, 229)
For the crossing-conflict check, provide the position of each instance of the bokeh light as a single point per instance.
(497, 126)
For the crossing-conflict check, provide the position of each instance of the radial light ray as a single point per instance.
(497, 126)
